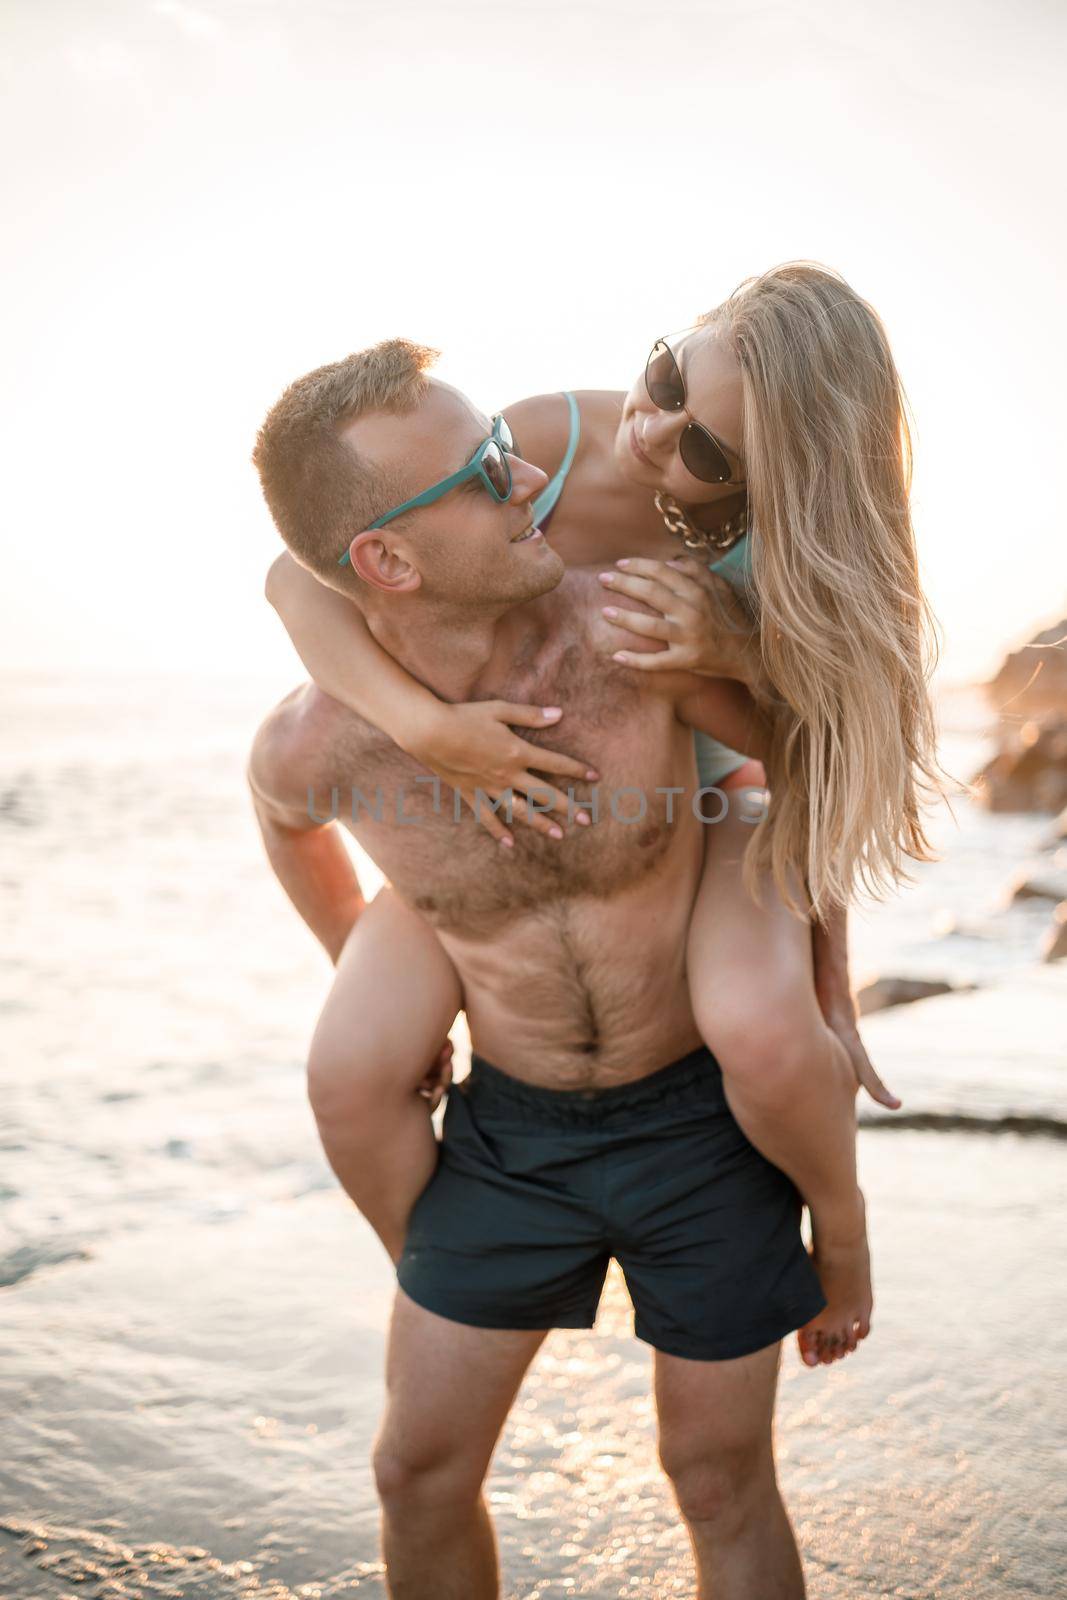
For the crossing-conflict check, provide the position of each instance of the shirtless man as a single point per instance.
(602, 1129)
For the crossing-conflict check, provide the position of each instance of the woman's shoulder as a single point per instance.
(541, 426)
(542, 423)
(600, 404)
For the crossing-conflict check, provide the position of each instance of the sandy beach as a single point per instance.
(193, 1317)
(191, 1413)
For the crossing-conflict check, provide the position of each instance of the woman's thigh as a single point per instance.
(746, 957)
(394, 996)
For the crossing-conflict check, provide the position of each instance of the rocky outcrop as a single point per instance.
(895, 991)
(1042, 886)
(1055, 946)
(1032, 682)
(1029, 694)
(1029, 771)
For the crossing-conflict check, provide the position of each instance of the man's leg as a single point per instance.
(449, 1390)
(716, 1447)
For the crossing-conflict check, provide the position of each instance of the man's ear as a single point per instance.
(382, 567)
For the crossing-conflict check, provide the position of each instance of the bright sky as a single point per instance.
(203, 200)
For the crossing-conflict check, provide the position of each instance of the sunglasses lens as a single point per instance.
(663, 380)
(505, 435)
(496, 469)
(702, 457)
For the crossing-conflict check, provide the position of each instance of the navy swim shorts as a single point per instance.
(537, 1189)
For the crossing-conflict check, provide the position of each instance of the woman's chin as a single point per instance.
(629, 467)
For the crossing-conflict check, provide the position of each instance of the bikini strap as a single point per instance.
(545, 502)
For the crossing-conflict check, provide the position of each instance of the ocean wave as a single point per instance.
(140, 1571)
(26, 1259)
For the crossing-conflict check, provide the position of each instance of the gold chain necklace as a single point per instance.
(694, 538)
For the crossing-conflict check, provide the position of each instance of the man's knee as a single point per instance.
(723, 1484)
(428, 1482)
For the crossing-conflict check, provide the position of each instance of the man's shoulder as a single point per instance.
(297, 739)
(304, 713)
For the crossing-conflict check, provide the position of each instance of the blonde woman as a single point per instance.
(748, 500)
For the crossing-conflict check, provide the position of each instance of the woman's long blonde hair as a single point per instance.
(847, 637)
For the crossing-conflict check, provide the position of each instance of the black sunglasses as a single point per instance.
(701, 452)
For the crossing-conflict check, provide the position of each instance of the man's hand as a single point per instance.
(843, 1025)
(438, 1078)
(833, 990)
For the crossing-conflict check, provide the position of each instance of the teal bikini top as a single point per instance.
(545, 503)
(735, 566)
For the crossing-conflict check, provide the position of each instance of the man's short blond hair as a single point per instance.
(319, 490)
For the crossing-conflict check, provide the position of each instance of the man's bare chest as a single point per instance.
(425, 839)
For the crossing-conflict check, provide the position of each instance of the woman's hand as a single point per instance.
(474, 747)
(691, 602)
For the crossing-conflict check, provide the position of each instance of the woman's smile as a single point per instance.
(635, 446)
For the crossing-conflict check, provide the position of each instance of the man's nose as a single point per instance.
(526, 479)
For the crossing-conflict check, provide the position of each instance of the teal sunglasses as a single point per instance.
(489, 463)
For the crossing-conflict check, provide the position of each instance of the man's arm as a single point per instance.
(309, 858)
(833, 990)
(829, 949)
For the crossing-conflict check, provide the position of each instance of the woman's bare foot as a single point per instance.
(843, 1262)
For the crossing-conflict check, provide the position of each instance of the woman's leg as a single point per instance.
(394, 998)
(788, 1079)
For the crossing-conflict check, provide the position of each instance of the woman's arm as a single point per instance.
(725, 710)
(343, 656)
(470, 747)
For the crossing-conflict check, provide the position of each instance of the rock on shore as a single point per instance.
(1029, 694)
(888, 991)
(1032, 682)
(1055, 946)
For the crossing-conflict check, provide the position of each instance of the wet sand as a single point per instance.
(191, 1410)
